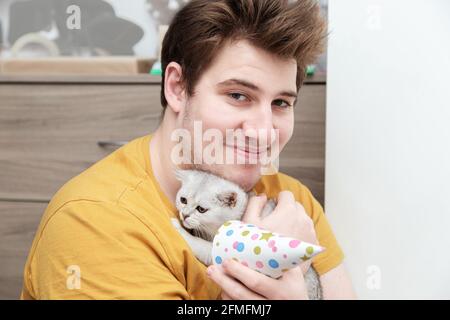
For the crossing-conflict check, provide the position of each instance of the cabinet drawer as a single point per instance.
(19, 222)
(50, 133)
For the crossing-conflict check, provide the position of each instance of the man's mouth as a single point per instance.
(250, 150)
(248, 154)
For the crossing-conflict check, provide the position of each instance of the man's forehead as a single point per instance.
(241, 60)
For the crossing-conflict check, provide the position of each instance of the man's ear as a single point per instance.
(174, 89)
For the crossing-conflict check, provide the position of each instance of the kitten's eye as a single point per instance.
(201, 209)
(183, 200)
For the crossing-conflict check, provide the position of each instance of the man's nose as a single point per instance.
(259, 125)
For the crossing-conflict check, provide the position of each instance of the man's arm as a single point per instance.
(336, 284)
(96, 250)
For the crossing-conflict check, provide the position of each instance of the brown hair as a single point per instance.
(289, 30)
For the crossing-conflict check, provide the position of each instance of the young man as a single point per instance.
(107, 233)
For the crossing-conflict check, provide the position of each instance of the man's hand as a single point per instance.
(289, 219)
(239, 282)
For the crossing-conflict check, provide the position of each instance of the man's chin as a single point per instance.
(245, 176)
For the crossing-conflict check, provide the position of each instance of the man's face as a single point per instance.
(250, 89)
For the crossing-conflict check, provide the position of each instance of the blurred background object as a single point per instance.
(105, 27)
(37, 42)
(164, 10)
(1, 37)
(101, 32)
(28, 17)
(108, 27)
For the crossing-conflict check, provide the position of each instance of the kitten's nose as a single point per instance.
(185, 216)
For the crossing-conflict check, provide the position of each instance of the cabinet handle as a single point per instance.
(111, 144)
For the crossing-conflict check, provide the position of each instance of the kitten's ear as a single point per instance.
(227, 199)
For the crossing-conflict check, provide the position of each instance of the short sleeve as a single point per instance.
(333, 255)
(93, 250)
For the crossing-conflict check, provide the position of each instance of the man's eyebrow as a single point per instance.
(253, 87)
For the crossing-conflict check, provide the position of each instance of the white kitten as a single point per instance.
(205, 201)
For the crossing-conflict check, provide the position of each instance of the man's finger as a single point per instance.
(294, 274)
(285, 201)
(255, 281)
(225, 296)
(285, 196)
(254, 208)
(231, 287)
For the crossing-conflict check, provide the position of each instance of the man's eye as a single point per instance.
(282, 103)
(238, 96)
(201, 209)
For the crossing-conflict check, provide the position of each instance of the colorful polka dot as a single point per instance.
(285, 256)
(257, 250)
(271, 243)
(229, 232)
(227, 223)
(294, 243)
(217, 243)
(250, 225)
(235, 244)
(310, 250)
(244, 263)
(240, 247)
(255, 236)
(245, 233)
(218, 260)
(266, 236)
(273, 263)
(259, 264)
(226, 249)
(274, 249)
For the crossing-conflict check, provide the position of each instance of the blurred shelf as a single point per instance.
(104, 79)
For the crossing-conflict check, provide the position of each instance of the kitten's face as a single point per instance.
(205, 201)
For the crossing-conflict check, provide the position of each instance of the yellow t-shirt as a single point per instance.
(106, 234)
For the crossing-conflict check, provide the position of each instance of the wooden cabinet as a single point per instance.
(51, 127)
(50, 132)
(18, 223)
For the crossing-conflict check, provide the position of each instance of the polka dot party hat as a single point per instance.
(260, 250)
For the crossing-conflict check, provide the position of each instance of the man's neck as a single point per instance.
(160, 150)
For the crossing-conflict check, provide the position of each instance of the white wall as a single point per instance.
(388, 144)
